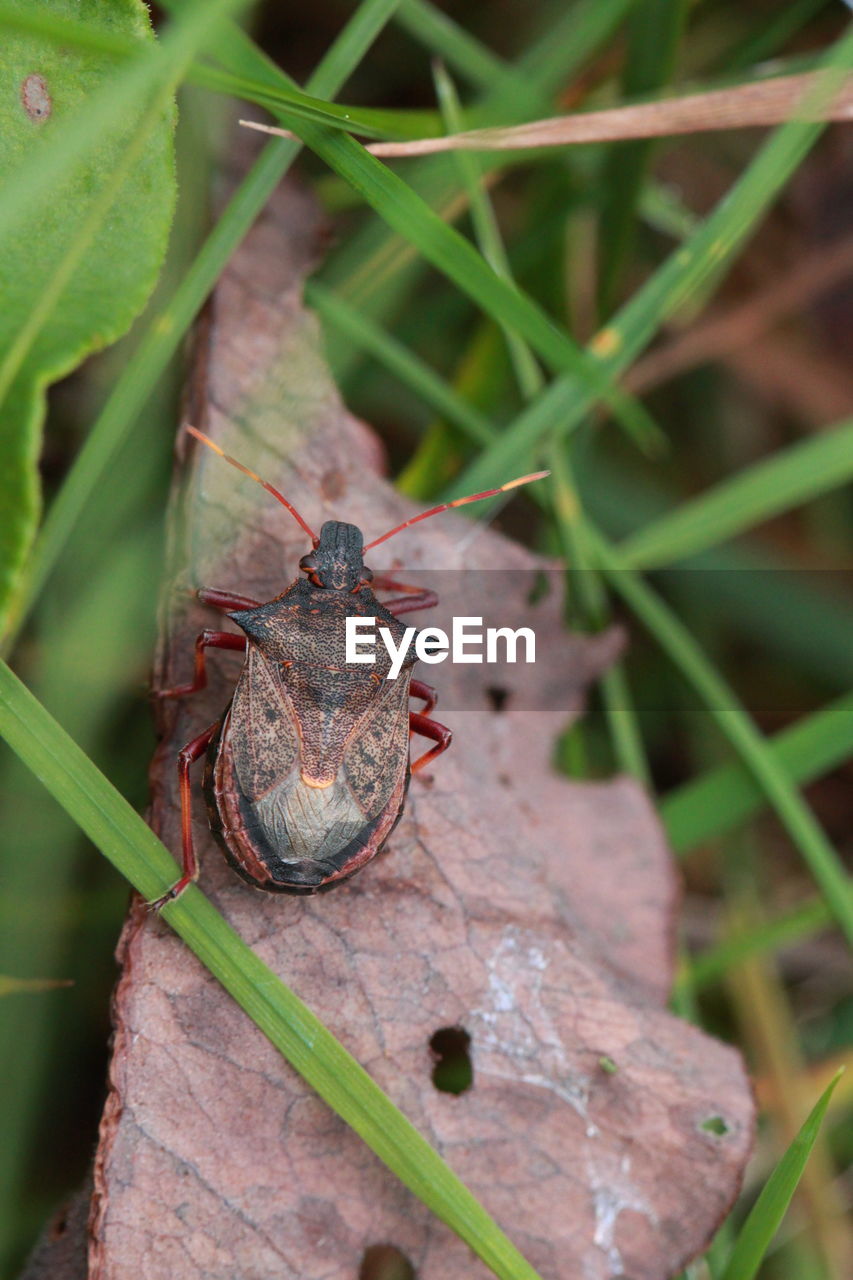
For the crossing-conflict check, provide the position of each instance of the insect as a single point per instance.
(308, 767)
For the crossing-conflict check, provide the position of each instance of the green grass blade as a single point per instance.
(735, 723)
(374, 122)
(403, 209)
(289, 103)
(456, 258)
(770, 1207)
(571, 35)
(411, 370)
(654, 31)
(769, 599)
(774, 30)
(375, 267)
(790, 478)
(132, 847)
(528, 375)
(625, 735)
(692, 266)
(718, 801)
(712, 965)
(622, 724)
(442, 36)
(167, 330)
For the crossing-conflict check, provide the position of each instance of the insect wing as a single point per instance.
(263, 735)
(281, 826)
(378, 755)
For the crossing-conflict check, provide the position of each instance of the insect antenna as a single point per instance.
(458, 502)
(199, 435)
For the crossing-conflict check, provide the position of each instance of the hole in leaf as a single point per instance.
(715, 1124)
(453, 1071)
(385, 1262)
(497, 696)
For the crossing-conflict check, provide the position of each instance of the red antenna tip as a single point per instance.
(459, 502)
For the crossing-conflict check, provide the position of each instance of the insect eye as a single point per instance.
(308, 563)
(367, 574)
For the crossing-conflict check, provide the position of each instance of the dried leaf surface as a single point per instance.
(535, 913)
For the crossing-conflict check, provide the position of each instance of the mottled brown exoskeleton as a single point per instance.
(307, 769)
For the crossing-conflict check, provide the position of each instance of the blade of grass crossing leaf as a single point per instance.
(702, 257)
(166, 331)
(714, 803)
(772, 1204)
(134, 849)
(757, 493)
(737, 726)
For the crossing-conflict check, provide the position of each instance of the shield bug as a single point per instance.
(308, 767)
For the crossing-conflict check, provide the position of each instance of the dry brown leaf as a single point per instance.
(533, 912)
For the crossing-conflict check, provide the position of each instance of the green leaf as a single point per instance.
(375, 122)
(771, 1206)
(166, 331)
(70, 282)
(132, 847)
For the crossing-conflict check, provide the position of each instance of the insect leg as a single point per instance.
(189, 863)
(413, 597)
(427, 728)
(225, 600)
(418, 689)
(206, 640)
